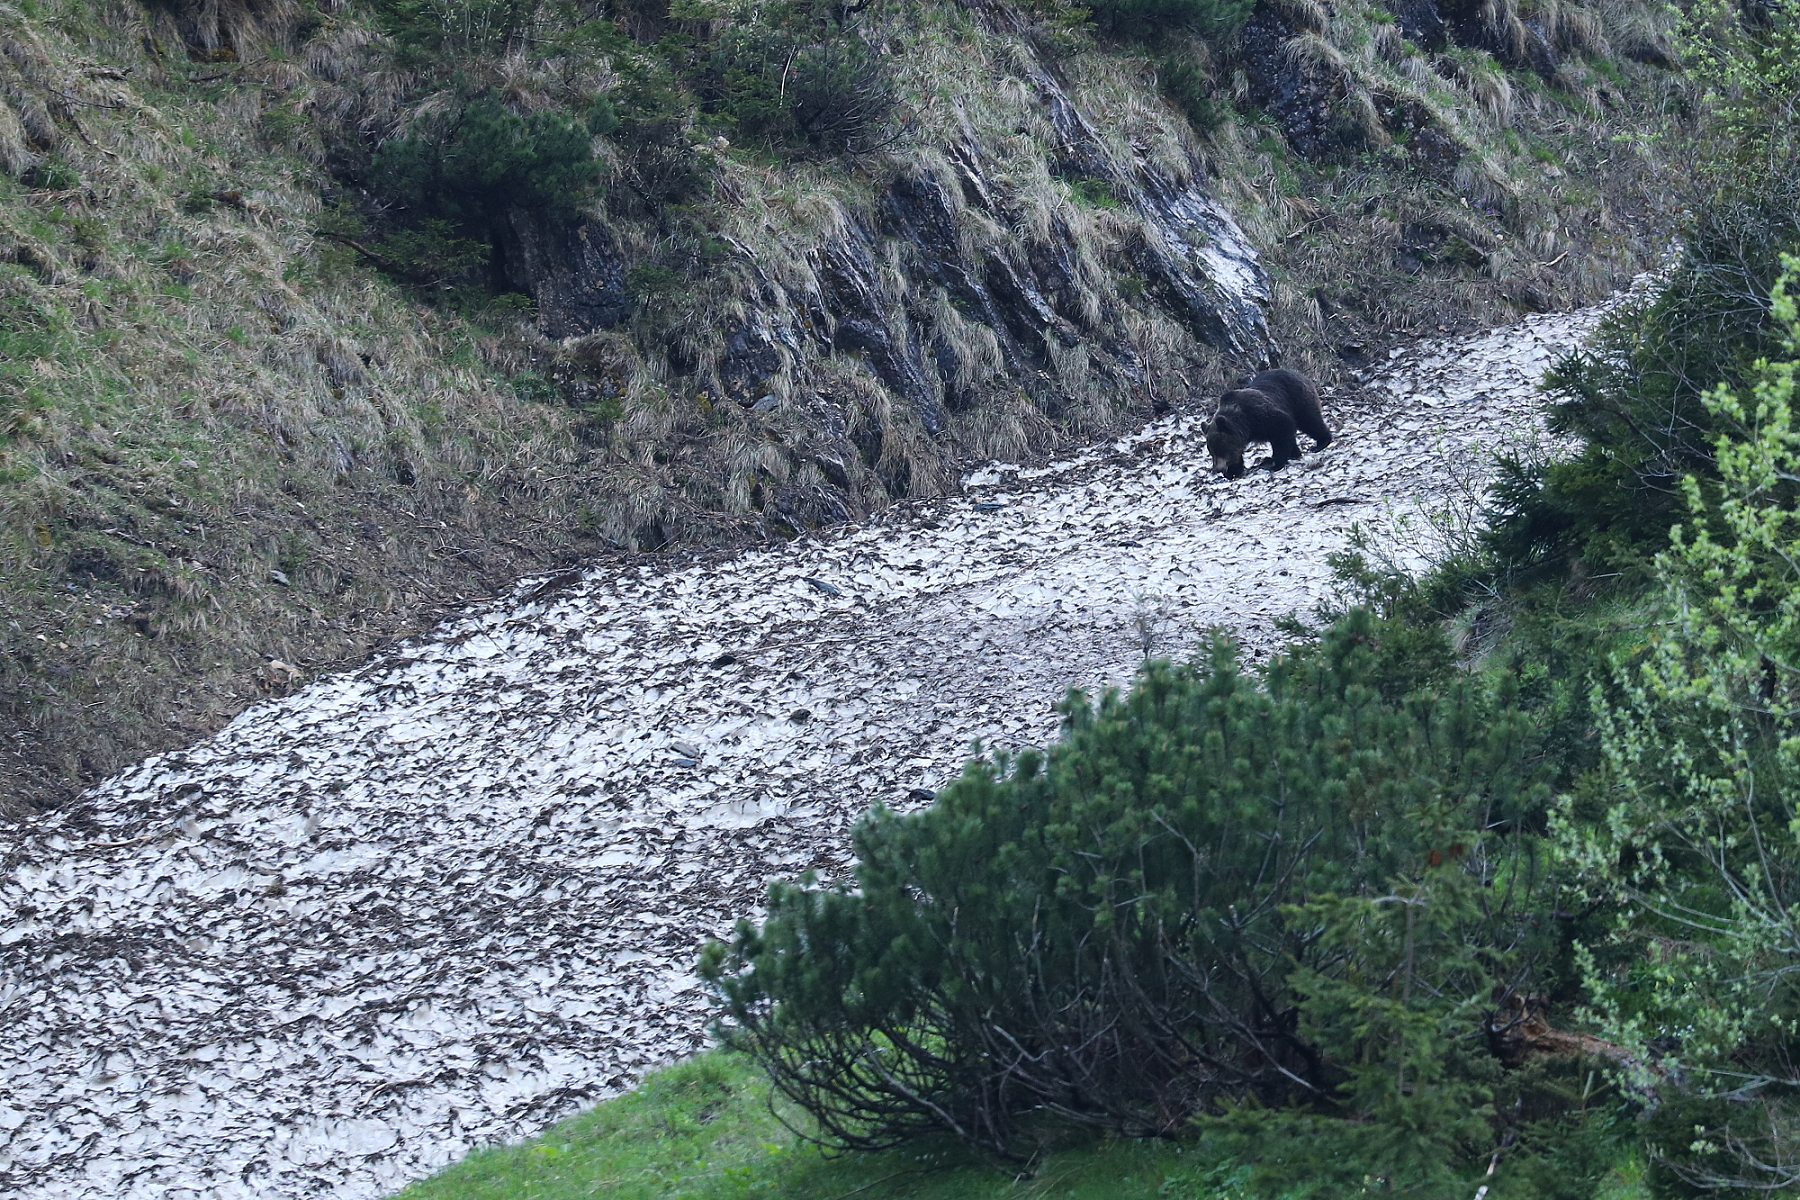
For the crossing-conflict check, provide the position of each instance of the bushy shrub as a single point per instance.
(445, 185)
(433, 254)
(1693, 816)
(1636, 398)
(1153, 18)
(1218, 887)
(468, 166)
(653, 111)
(1191, 91)
(796, 78)
(425, 32)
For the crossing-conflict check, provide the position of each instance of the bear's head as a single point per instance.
(1226, 442)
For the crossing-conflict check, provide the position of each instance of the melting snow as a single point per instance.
(440, 901)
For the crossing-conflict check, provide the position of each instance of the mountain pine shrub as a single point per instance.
(467, 166)
(425, 33)
(445, 186)
(1188, 87)
(800, 76)
(1154, 18)
(1292, 888)
(1637, 398)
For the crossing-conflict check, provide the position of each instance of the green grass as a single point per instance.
(1094, 193)
(706, 1129)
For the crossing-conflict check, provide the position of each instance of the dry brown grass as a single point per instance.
(222, 396)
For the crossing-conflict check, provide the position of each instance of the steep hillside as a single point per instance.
(322, 318)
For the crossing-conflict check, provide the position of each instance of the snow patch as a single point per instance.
(448, 898)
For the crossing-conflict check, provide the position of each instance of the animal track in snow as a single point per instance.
(437, 902)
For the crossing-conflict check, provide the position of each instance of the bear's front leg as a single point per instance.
(1282, 451)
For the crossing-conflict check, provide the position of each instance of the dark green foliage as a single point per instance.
(1414, 654)
(1683, 1137)
(1191, 91)
(1548, 640)
(603, 117)
(445, 187)
(661, 169)
(796, 77)
(1566, 1125)
(433, 253)
(468, 166)
(649, 284)
(1634, 398)
(1155, 18)
(1295, 1155)
(1286, 890)
(650, 107)
(1635, 401)
(1555, 653)
(424, 32)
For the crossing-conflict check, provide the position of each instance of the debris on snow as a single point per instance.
(440, 901)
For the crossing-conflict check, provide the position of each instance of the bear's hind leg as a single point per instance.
(1312, 423)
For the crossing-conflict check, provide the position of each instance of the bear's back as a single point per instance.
(1254, 413)
(1297, 394)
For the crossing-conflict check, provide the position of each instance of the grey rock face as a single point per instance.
(1303, 99)
(572, 266)
(1421, 22)
(865, 285)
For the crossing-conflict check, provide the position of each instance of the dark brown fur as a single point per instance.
(1271, 407)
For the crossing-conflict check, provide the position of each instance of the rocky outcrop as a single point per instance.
(860, 317)
(1422, 24)
(1328, 106)
(1304, 98)
(942, 320)
(571, 266)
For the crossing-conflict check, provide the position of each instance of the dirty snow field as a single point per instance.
(439, 901)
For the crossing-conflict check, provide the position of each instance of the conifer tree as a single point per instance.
(1220, 886)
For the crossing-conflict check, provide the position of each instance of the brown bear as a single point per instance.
(1271, 407)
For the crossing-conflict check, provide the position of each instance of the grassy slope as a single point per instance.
(1563, 191)
(200, 398)
(704, 1130)
(203, 395)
